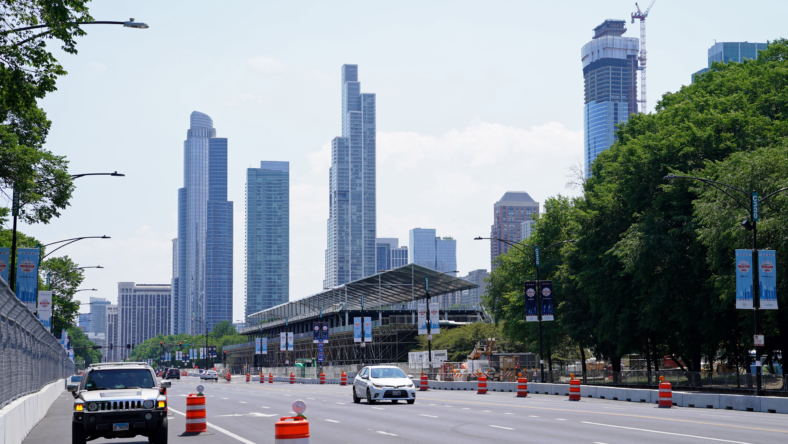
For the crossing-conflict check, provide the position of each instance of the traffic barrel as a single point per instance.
(522, 386)
(248, 377)
(228, 377)
(195, 414)
(424, 384)
(481, 389)
(574, 389)
(262, 378)
(322, 377)
(291, 432)
(292, 378)
(665, 394)
(343, 378)
(270, 378)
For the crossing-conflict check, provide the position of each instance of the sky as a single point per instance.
(474, 98)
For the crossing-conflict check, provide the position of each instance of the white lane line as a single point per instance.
(386, 433)
(508, 413)
(219, 429)
(665, 433)
(499, 427)
(185, 395)
(311, 399)
(264, 407)
(429, 416)
(378, 408)
(532, 416)
(242, 402)
(466, 408)
(341, 403)
(560, 419)
(486, 411)
(331, 420)
(597, 442)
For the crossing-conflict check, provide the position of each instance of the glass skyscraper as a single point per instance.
(267, 236)
(731, 52)
(610, 75)
(204, 285)
(428, 250)
(350, 253)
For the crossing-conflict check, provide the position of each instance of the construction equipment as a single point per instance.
(642, 57)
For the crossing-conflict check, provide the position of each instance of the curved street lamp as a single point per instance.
(127, 24)
(50, 273)
(71, 241)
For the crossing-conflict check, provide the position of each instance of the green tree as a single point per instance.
(64, 280)
(83, 347)
(224, 328)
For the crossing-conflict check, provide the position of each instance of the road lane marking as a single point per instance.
(264, 407)
(331, 420)
(378, 408)
(508, 413)
(429, 416)
(185, 395)
(218, 429)
(560, 419)
(665, 433)
(311, 399)
(341, 403)
(500, 427)
(486, 411)
(386, 433)
(243, 402)
(532, 416)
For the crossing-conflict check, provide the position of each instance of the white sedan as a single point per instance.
(383, 383)
(210, 374)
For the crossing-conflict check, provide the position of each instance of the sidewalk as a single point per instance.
(56, 425)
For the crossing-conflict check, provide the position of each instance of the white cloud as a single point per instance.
(264, 65)
(97, 66)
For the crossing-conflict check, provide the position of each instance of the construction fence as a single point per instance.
(30, 357)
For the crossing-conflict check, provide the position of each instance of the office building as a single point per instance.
(350, 253)
(84, 322)
(399, 256)
(514, 208)
(111, 354)
(526, 229)
(610, 64)
(473, 297)
(428, 250)
(267, 236)
(174, 286)
(143, 311)
(385, 247)
(205, 232)
(98, 315)
(99, 339)
(731, 52)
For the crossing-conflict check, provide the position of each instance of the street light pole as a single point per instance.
(429, 319)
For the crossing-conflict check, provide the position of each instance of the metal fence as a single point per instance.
(30, 357)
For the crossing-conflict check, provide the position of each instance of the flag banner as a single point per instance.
(316, 327)
(192, 354)
(744, 279)
(282, 341)
(258, 346)
(211, 351)
(178, 356)
(324, 333)
(5, 261)
(290, 341)
(767, 279)
(367, 329)
(435, 317)
(531, 313)
(422, 308)
(265, 346)
(45, 309)
(202, 352)
(27, 276)
(356, 329)
(71, 355)
(547, 300)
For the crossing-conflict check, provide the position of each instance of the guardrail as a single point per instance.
(30, 357)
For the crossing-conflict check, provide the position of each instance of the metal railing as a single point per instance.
(30, 357)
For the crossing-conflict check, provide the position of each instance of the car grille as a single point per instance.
(119, 406)
(390, 394)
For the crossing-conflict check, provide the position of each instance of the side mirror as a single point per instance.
(166, 384)
(72, 388)
(364, 377)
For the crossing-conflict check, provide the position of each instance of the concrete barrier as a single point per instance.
(18, 418)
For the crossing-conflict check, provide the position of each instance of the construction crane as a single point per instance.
(642, 57)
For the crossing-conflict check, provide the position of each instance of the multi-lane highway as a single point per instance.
(243, 412)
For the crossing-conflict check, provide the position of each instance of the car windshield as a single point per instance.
(76, 378)
(387, 373)
(119, 379)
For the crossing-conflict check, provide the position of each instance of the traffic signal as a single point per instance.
(128, 346)
(180, 344)
(225, 356)
(161, 343)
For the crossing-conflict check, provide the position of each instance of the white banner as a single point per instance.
(258, 346)
(290, 341)
(282, 341)
(435, 315)
(45, 309)
(422, 307)
(265, 346)
(202, 353)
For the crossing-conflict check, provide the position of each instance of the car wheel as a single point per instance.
(411, 401)
(160, 434)
(369, 398)
(356, 399)
(78, 434)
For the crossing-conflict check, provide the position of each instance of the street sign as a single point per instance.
(536, 255)
(319, 356)
(754, 206)
(427, 283)
(299, 407)
(758, 340)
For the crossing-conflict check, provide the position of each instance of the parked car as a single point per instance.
(76, 379)
(383, 383)
(173, 373)
(210, 374)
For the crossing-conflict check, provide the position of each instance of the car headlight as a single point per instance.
(410, 385)
(377, 386)
(92, 406)
(78, 407)
(148, 404)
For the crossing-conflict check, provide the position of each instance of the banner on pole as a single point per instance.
(744, 279)
(290, 341)
(767, 279)
(27, 276)
(45, 309)
(316, 326)
(319, 352)
(324, 333)
(356, 329)
(5, 260)
(367, 329)
(547, 300)
(422, 308)
(282, 341)
(211, 351)
(531, 313)
(435, 314)
(202, 352)
(265, 345)
(258, 346)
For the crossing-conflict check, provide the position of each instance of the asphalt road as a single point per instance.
(246, 412)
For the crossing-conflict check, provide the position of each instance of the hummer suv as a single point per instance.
(119, 400)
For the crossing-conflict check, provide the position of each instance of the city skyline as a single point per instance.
(423, 151)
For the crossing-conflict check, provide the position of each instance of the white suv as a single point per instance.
(383, 383)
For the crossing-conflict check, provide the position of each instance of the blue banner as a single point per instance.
(367, 329)
(547, 300)
(320, 352)
(27, 276)
(744, 279)
(265, 346)
(356, 329)
(435, 317)
(5, 262)
(258, 346)
(324, 333)
(767, 279)
(531, 314)
(316, 332)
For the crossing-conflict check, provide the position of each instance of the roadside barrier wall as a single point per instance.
(19, 417)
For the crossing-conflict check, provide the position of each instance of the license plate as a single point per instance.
(395, 393)
(120, 427)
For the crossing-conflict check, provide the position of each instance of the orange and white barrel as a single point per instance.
(262, 378)
(195, 414)
(522, 386)
(481, 388)
(292, 378)
(270, 378)
(665, 394)
(343, 378)
(248, 377)
(322, 378)
(424, 383)
(291, 432)
(574, 389)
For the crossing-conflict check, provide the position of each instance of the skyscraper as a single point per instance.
(111, 354)
(428, 250)
(350, 253)
(98, 315)
(143, 312)
(731, 52)
(205, 232)
(509, 213)
(267, 236)
(384, 247)
(610, 64)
